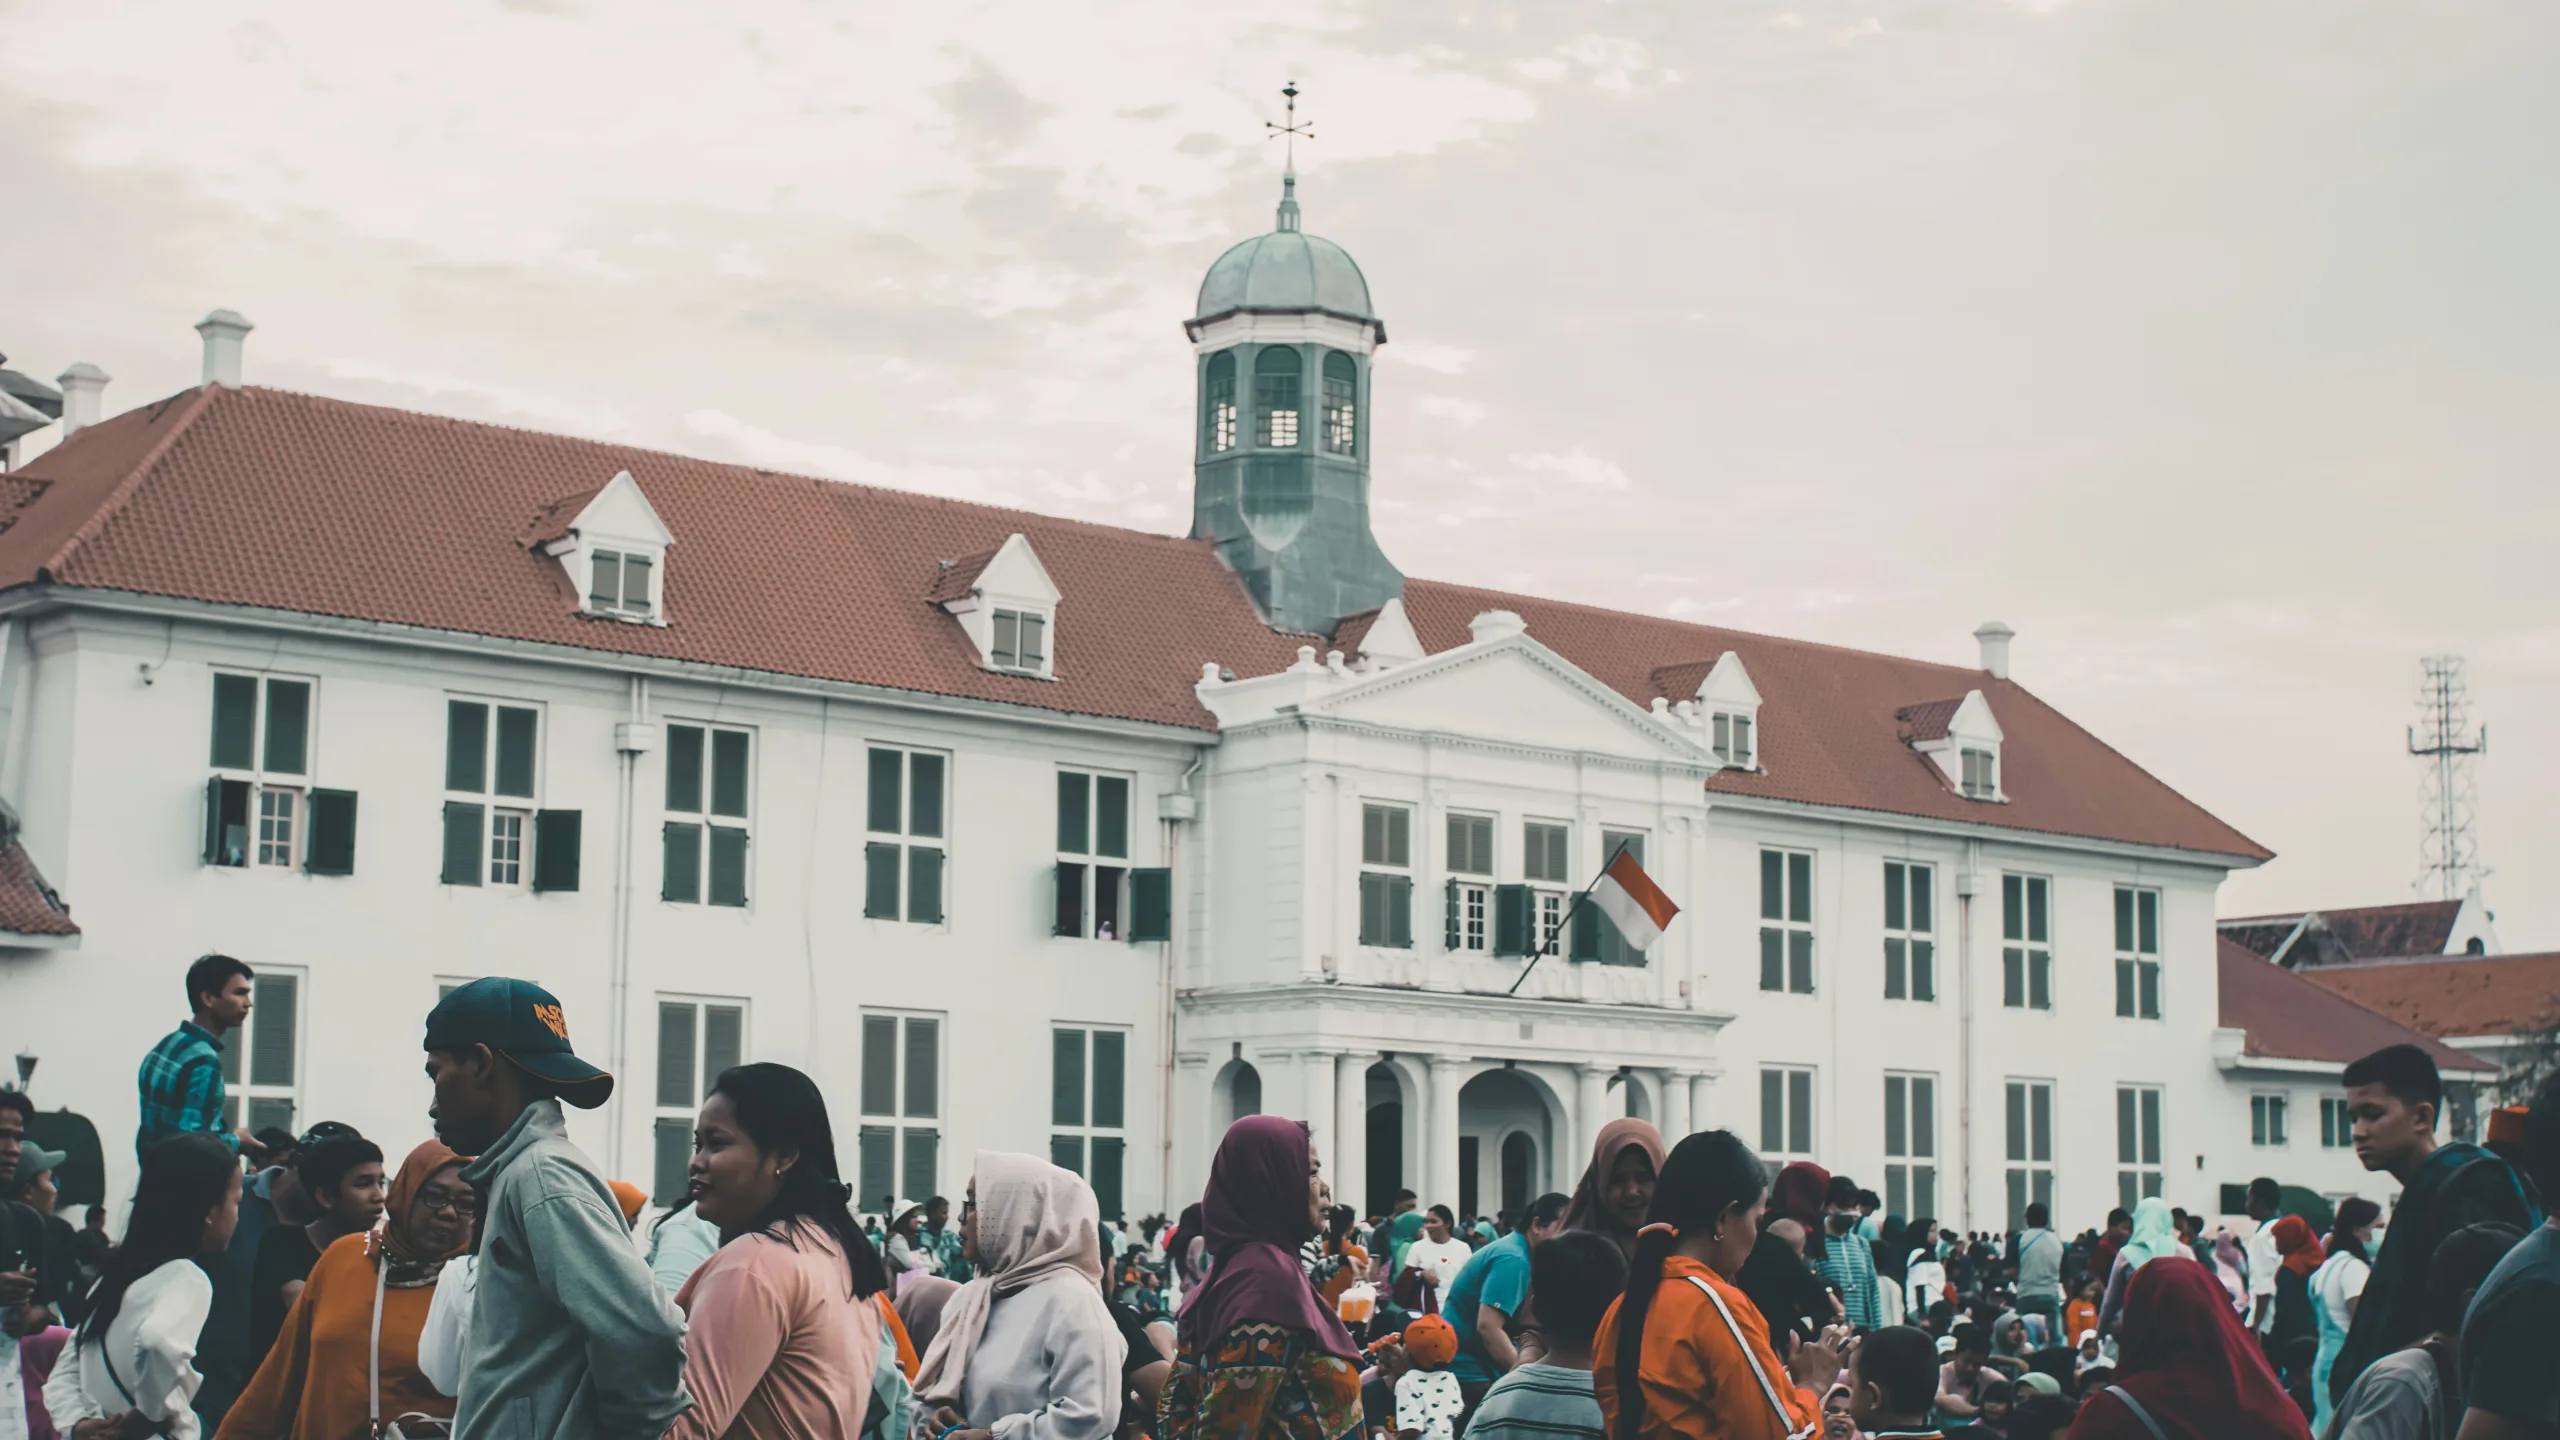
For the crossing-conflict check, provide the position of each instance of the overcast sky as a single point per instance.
(2212, 344)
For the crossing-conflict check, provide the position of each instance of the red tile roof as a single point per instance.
(2453, 996)
(293, 502)
(28, 905)
(1929, 721)
(2288, 1017)
(2364, 932)
(953, 578)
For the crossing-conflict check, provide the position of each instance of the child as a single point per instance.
(1893, 1377)
(1574, 1277)
(1991, 1421)
(2081, 1314)
(1427, 1398)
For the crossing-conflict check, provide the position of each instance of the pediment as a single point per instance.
(620, 512)
(1515, 691)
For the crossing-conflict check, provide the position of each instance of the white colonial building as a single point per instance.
(1030, 834)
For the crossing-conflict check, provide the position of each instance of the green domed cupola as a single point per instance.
(1283, 337)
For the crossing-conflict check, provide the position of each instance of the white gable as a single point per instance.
(1728, 685)
(1390, 640)
(621, 532)
(621, 512)
(1016, 585)
(1016, 574)
(1973, 722)
(1506, 689)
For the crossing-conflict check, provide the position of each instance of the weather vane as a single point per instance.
(1295, 127)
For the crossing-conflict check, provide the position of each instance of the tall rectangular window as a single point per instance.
(1981, 775)
(899, 1148)
(1910, 934)
(1386, 876)
(492, 760)
(1732, 731)
(1341, 408)
(261, 759)
(697, 1039)
(2267, 1119)
(709, 785)
(262, 1061)
(2337, 1126)
(1470, 901)
(1786, 1114)
(1786, 921)
(2030, 1148)
(1546, 863)
(2137, 1143)
(2026, 935)
(904, 854)
(1088, 1109)
(1093, 855)
(2137, 953)
(1911, 1144)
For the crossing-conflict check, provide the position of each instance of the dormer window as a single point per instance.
(1021, 641)
(1963, 739)
(1981, 775)
(1733, 739)
(622, 585)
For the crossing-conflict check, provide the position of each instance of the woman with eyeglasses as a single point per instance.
(346, 1361)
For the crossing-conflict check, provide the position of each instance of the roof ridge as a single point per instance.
(123, 490)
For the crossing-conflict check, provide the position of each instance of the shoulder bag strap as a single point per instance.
(2126, 1397)
(1786, 1422)
(2448, 1387)
(108, 1359)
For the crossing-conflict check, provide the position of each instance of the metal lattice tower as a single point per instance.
(2449, 852)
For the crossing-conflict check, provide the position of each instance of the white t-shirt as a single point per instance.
(1442, 1260)
(2264, 1261)
(1429, 1401)
(2339, 1279)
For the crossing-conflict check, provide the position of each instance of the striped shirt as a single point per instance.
(1538, 1402)
(181, 1083)
(1847, 1263)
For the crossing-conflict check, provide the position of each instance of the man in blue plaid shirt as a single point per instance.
(181, 1079)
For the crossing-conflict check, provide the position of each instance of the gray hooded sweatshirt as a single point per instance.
(570, 1338)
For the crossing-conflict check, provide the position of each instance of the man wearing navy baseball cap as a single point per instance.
(585, 1345)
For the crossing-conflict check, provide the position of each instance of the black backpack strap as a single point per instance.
(2125, 1397)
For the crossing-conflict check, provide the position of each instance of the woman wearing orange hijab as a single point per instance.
(318, 1381)
(1684, 1353)
(2293, 1337)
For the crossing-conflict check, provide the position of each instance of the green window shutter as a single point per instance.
(272, 1052)
(888, 790)
(556, 836)
(1066, 1077)
(1584, 941)
(1773, 959)
(924, 1068)
(684, 768)
(1111, 816)
(464, 825)
(1373, 919)
(1449, 938)
(2013, 978)
(288, 725)
(880, 881)
(923, 1161)
(516, 730)
(879, 1066)
(235, 721)
(226, 822)
(2124, 920)
(724, 1038)
(680, 872)
(332, 843)
(729, 773)
(1105, 1179)
(1773, 885)
(675, 1054)
(728, 866)
(1067, 1152)
(1150, 904)
(1924, 970)
(924, 796)
(1075, 800)
(671, 1143)
(1512, 924)
(466, 746)
(1800, 888)
(1110, 1078)
(1399, 901)
(924, 885)
(1069, 916)
(876, 1151)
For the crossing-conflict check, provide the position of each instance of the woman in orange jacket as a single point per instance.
(1695, 1343)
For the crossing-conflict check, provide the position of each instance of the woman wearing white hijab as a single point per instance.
(1027, 1350)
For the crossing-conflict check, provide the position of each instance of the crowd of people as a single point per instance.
(493, 1284)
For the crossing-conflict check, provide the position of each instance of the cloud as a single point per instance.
(1451, 408)
(1576, 469)
(1440, 359)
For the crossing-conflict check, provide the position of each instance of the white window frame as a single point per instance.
(1379, 862)
(1004, 639)
(620, 557)
(1550, 886)
(2337, 1124)
(2270, 1127)
(1911, 948)
(290, 791)
(894, 1120)
(1910, 1143)
(2140, 1170)
(243, 1094)
(2137, 963)
(672, 1120)
(2026, 947)
(1788, 936)
(707, 819)
(1471, 882)
(1980, 767)
(1087, 1128)
(1732, 743)
(1101, 876)
(498, 811)
(908, 840)
(1798, 1092)
(2028, 1145)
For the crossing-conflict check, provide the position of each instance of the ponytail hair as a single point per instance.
(1707, 1177)
(781, 1110)
(185, 1179)
(2354, 1213)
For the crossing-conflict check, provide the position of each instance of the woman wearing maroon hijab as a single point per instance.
(2188, 1364)
(1256, 1351)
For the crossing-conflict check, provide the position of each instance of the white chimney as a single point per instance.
(1497, 625)
(1995, 648)
(82, 386)
(223, 330)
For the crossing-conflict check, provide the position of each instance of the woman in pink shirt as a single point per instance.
(781, 1328)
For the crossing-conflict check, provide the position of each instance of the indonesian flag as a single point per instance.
(1629, 897)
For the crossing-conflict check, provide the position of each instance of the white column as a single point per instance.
(1188, 1174)
(1349, 1158)
(1675, 1106)
(1440, 1134)
(1315, 1067)
(1700, 1115)
(1591, 1101)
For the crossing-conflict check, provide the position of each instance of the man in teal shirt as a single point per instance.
(1488, 1293)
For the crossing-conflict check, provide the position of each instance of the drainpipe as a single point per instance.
(1966, 880)
(632, 738)
(1165, 986)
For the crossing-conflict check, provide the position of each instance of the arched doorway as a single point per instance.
(1386, 1137)
(1505, 1127)
(1633, 1099)
(1239, 1093)
(1519, 1162)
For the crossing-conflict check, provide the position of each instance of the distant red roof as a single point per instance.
(2364, 932)
(1929, 720)
(2453, 996)
(28, 905)
(265, 498)
(2289, 1017)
